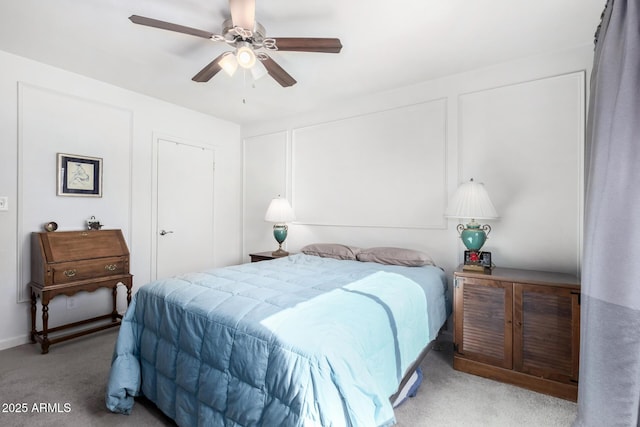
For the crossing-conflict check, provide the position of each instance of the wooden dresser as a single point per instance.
(66, 262)
(519, 326)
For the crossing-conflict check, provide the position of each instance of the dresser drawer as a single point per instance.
(66, 272)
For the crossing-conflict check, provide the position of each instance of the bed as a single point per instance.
(296, 341)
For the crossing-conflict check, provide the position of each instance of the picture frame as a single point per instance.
(79, 175)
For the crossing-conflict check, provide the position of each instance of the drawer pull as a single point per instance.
(70, 273)
(110, 267)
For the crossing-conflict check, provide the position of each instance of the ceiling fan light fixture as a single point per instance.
(229, 63)
(242, 33)
(245, 56)
(258, 70)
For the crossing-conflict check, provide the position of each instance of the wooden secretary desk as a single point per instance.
(67, 262)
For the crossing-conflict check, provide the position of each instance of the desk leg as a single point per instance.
(34, 300)
(129, 293)
(45, 326)
(114, 313)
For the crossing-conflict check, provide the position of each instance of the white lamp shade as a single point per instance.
(471, 200)
(258, 70)
(279, 212)
(229, 63)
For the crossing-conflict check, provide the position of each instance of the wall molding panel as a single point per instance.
(525, 142)
(385, 169)
(51, 122)
(266, 172)
(517, 126)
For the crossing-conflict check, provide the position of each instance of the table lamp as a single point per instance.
(279, 212)
(471, 201)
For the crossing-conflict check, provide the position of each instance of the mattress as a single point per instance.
(295, 341)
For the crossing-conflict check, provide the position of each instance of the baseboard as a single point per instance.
(14, 342)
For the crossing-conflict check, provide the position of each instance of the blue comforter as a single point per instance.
(298, 341)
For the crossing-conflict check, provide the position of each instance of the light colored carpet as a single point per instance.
(449, 398)
(70, 381)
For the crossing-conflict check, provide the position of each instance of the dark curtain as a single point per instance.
(609, 387)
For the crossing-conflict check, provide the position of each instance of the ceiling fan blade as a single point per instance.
(150, 22)
(278, 73)
(308, 44)
(243, 13)
(209, 71)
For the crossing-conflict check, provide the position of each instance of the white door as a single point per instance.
(184, 232)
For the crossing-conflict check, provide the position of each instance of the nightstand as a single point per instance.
(520, 327)
(262, 256)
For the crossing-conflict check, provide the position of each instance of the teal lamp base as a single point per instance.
(473, 235)
(280, 234)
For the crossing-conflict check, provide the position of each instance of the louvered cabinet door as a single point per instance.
(483, 320)
(546, 331)
(519, 326)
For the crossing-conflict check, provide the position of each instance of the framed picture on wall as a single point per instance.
(79, 175)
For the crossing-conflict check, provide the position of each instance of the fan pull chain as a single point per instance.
(244, 85)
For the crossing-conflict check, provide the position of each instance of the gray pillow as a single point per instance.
(331, 250)
(395, 256)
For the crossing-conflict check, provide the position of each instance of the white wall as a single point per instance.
(518, 127)
(44, 110)
(527, 148)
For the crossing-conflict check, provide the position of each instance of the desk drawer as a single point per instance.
(66, 272)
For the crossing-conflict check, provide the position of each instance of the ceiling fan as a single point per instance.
(248, 38)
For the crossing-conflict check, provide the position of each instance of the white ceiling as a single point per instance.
(387, 44)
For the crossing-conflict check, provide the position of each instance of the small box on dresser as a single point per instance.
(520, 327)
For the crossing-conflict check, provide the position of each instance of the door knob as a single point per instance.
(163, 232)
